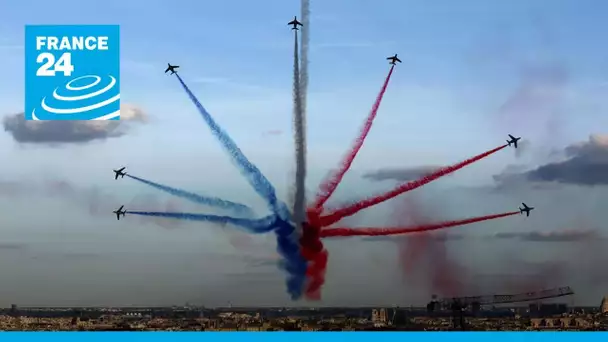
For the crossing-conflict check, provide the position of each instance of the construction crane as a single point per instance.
(459, 304)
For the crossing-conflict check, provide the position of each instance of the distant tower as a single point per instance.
(604, 305)
(379, 316)
(375, 315)
(14, 310)
(383, 315)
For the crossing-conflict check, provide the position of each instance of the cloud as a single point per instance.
(7, 246)
(273, 132)
(64, 132)
(399, 174)
(551, 236)
(587, 164)
(93, 199)
(437, 237)
(67, 255)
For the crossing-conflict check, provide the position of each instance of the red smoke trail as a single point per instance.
(314, 252)
(329, 185)
(352, 209)
(333, 232)
(425, 260)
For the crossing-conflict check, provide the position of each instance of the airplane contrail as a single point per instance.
(298, 209)
(300, 84)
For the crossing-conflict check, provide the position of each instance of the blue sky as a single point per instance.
(462, 61)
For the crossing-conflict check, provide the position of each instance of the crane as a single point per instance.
(459, 304)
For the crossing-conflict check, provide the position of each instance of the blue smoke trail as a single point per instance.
(287, 243)
(258, 226)
(255, 177)
(210, 201)
(295, 265)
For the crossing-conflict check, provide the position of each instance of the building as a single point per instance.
(14, 310)
(400, 317)
(379, 316)
(604, 305)
(546, 310)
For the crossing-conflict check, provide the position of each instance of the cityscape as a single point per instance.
(534, 317)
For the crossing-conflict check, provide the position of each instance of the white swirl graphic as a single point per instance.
(70, 87)
(82, 109)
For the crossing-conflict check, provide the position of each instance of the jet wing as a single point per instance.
(512, 137)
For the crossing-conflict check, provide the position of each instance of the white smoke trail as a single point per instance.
(299, 198)
(300, 92)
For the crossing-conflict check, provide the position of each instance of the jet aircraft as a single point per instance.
(120, 212)
(393, 59)
(120, 172)
(525, 209)
(171, 68)
(513, 141)
(295, 23)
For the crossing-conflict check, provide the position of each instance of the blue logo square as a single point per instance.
(72, 72)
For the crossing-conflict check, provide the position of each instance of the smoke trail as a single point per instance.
(330, 184)
(262, 225)
(286, 241)
(210, 201)
(334, 232)
(300, 98)
(317, 256)
(294, 263)
(299, 201)
(352, 209)
(425, 257)
(255, 177)
(312, 247)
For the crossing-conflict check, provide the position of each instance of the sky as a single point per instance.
(472, 72)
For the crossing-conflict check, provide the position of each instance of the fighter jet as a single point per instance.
(513, 141)
(526, 209)
(120, 212)
(120, 173)
(393, 59)
(295, 23)
(171, 68)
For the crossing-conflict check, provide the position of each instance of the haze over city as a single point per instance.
(471, 74)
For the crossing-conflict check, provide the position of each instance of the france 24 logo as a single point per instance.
(72, 72)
